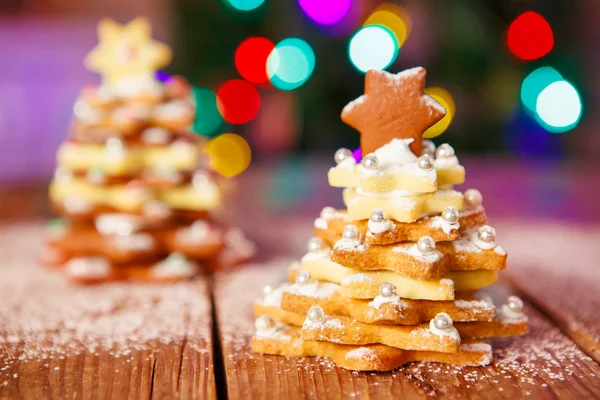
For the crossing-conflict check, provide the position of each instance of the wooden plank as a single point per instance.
(544, 364)
(556, 267)
(115, 340)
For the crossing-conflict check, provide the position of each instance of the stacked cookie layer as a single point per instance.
(134, 189)
(394, 278)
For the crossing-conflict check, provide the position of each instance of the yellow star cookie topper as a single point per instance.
(126, 50)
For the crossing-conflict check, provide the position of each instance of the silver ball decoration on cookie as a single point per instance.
(473, 197)
(327, 213)
(426, 245)
(442, 321)
(264, 323)
(351, 233)
(267, 290)
(315, 244)
(444, 151)
(315, 314)
(515, 304)
(425, 162)
(450, 215)
(428, 147)
(377, 215)
(487, 234)
(387, 290)
(303, 278)
(370, 162)
(342, 155)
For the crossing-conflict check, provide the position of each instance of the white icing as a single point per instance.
(474, 238)
(362, 353)
(509, 316)
(308, 289)
(446, 162)
(157, 209)
(134, 86)
(465, 245)
(474, 304)
(277, 332)
(198, 232)
(451, 333)
(181, 149)
(86, 113)
(499, 250)
(349, 244)
(273, 299)
(174, 110)
(379, 300)
(321, 223)
(328, 322)
(156, 135)
(174, 265)
(396, 152)
(414, 252)
(118, 224)
(348, 163)
(445, 226)
(135, 242)
(317, 255)
(77, 205)
(324, 290)
(88, 267)
(63, 174)
(379, 227)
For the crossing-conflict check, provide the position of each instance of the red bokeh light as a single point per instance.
(251, 59)
(238, 101)
(530, 36)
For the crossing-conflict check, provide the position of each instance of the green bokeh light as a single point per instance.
(245, 5)
(373, 47)
(208, 120)
(534, 83)
(290, 64)
(558, 107)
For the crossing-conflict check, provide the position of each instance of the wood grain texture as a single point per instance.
(556, 267)
(110, 341)
(545, 364)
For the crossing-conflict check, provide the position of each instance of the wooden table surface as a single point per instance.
(191, 340)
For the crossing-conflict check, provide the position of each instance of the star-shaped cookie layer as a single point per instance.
(126, 50)
(393, 106)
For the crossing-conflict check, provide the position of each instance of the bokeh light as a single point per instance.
(530, 36)
(251, 59)
(559, 107)
(238, 101)
(373, 47)
(290, 64)
(443, 97)
(208, 119)
(535, 82)
(229, 154)
(393, 17)
(357, 154)
(327, 12)
(245, 5)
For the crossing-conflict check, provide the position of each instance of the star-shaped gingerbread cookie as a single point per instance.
(126, 50)
(393, 106)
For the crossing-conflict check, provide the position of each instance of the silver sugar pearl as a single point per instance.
(351, 233)
(515, 304)
(487, 234)
(428, 147)
(473, 197)
(377, 215)
(387, 290)
(342, 155)
(426, 245)
(444, 151)
(264, 323)
(425, 162)
(315, 244)
(442, 321)
(327, 213)
(303, 278)
(267, 290)
(315, 314)
(450, 214)
(370, 161)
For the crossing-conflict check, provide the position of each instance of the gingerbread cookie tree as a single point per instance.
(132, 184)
(394, 277)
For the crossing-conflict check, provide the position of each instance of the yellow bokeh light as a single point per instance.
(393, 17)
(443, 97)
(229, 154)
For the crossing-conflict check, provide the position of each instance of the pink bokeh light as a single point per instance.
(325, 12)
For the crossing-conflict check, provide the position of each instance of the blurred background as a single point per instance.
(519, 79)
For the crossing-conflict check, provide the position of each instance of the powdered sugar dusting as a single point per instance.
(361, 353)
(324, 290)
(49, 317)
(413, 251)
